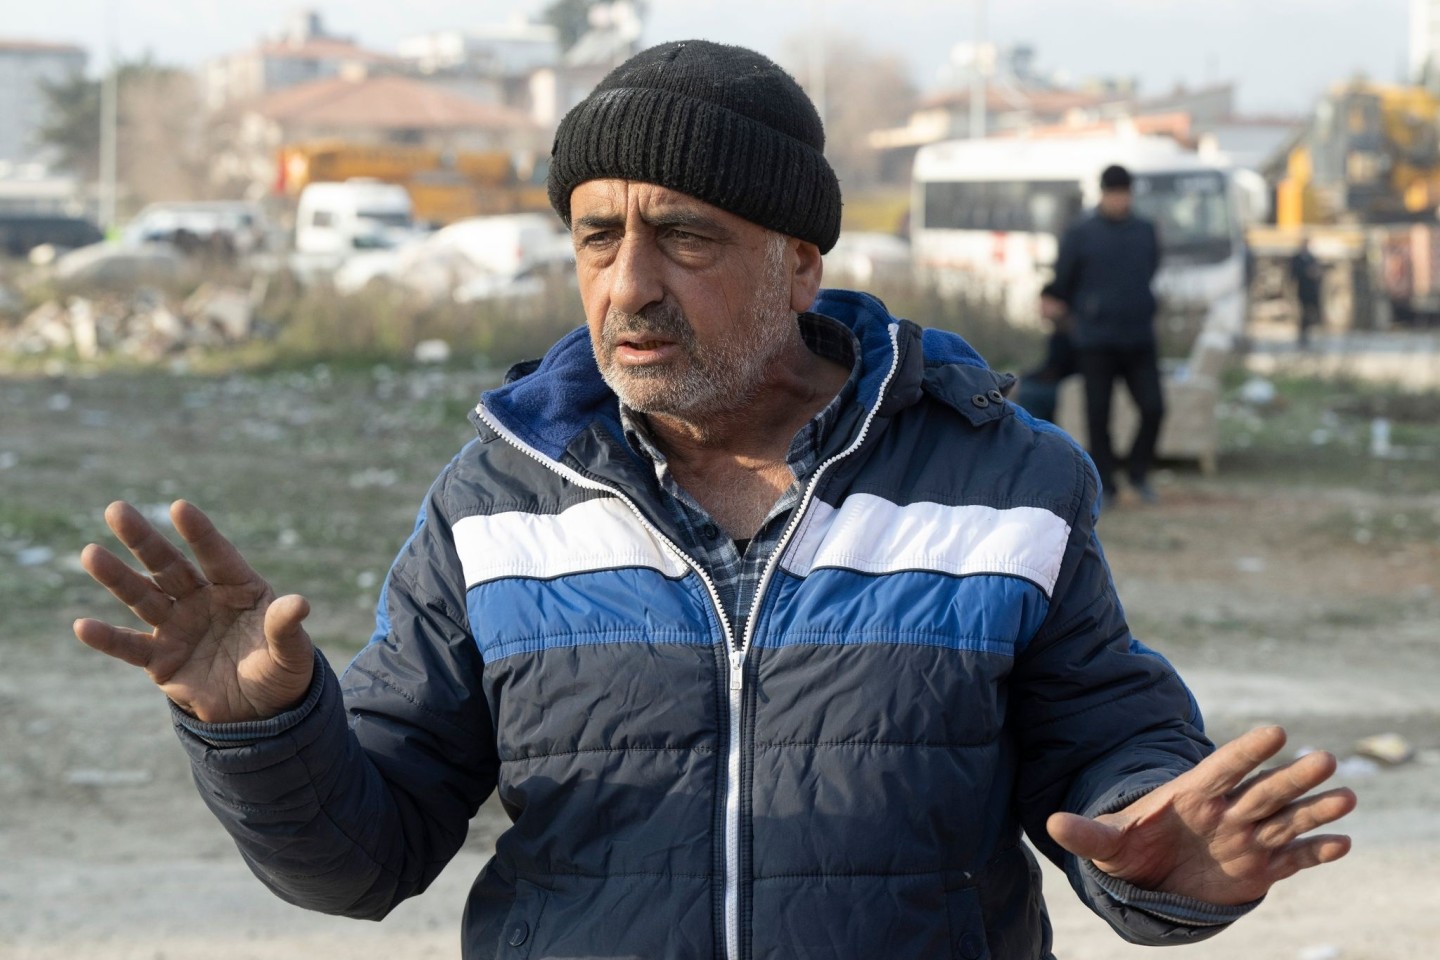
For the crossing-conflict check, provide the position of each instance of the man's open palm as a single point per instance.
(1220, 832)
(222, 646)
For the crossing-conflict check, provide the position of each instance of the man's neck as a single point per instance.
(736, 465)
(762, 428)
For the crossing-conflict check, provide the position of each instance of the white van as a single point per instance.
(480, 258)
(339, 218)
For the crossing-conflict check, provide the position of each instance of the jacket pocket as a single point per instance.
(522, 924)
(967, 926)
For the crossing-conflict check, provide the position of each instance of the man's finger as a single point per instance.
(171, 569)
(1084, 837)
(1310, 852)
(131, 646)
(1223, 770)
(1272, 791)
(217, 556)
(139, 593)
(1305, 815)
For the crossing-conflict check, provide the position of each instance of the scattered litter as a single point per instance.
(1258, 392)
(1250, 564)
(1356, 768)
(289, 537)
(1380, 438)
(34, 556)
(373, 477)
(1389, 748)
(10, 301)
(432, 351)
(58, 402)
(93, 777)
(228, 310)
(366, 579)
(8, 459)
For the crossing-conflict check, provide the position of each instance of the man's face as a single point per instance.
(1115, 203)
(688, 306)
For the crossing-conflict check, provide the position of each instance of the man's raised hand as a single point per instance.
(1221, 832)
(222, 647)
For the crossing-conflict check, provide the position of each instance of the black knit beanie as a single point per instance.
(722, 124)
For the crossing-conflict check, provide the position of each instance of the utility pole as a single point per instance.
(109, 122)
(977, 74)
(109, 125)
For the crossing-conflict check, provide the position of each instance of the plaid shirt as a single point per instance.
(737, 574)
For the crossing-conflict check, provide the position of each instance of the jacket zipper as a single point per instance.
(581, 480)
(737, 668)
(737, 651)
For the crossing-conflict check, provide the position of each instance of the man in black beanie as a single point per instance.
(770, 620)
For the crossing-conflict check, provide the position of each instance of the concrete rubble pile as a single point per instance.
(142, 325)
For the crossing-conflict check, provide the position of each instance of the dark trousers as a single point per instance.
(1309, 318)
(1139, 367)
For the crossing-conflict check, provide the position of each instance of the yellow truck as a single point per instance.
(443, 186)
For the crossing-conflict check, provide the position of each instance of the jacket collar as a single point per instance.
(549, 402)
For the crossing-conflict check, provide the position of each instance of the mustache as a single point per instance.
(664, 319)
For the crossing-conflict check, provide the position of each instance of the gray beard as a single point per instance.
(719, 379)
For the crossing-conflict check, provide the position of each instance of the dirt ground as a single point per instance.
(1311, 605)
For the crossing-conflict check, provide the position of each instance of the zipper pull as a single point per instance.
(737, 667)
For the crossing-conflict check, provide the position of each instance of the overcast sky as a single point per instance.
(1282, 53)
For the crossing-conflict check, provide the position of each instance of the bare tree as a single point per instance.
(162, 153)
(864, 91)
(162, 131)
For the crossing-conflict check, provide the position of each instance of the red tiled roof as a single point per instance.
(386, 102)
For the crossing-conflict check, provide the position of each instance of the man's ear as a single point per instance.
(805, 277)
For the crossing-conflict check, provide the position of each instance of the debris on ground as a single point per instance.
(144, 324)
(1388, 748)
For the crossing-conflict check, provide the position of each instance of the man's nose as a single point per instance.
(636, 275)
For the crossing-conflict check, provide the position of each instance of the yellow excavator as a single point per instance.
(1371, 154)
(443, 186)
(1360, 183)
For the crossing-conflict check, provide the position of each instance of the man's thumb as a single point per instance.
(284, 632)
(1086, 838)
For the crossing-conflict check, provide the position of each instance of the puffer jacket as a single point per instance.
(935, 662)
(1103, 272)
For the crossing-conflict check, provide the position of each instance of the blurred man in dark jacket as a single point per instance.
(1308, 275)
(1102, 276)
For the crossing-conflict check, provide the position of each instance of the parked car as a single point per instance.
(228, 227)
(20, 233)
(479, 258)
